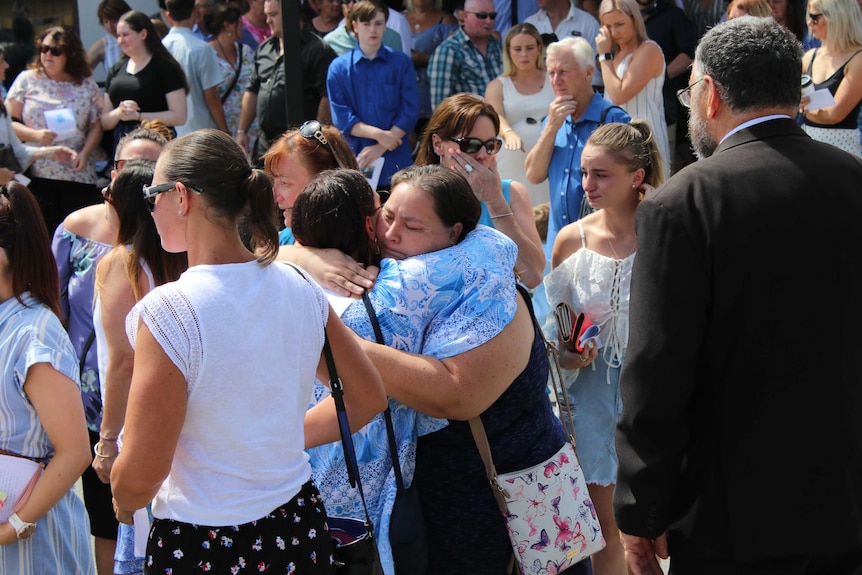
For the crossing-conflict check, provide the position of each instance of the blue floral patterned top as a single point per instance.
(441, 304)
(76, 262)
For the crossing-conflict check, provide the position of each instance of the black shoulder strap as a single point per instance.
(387, 415)
(605, 113)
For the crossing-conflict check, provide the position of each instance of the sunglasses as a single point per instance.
(312, 130)
(55, 50)
(473, 145)
(815, 18)
(483, 15)
(150, 192)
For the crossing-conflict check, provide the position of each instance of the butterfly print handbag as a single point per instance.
(550, 517)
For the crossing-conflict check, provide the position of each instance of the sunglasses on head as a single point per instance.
(312, 130)
(473, 145)
(150, 192)
(55, 50)
(549, 39)
(483, 15)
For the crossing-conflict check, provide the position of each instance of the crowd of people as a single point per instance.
(178, 265)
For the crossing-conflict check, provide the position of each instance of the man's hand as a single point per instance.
(642, 554)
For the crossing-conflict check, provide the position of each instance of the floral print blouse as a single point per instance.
(38, 94)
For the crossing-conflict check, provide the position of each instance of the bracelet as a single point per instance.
(140, 116)
(503, 215)
(238, 131)
(107, 439)
(101, 455)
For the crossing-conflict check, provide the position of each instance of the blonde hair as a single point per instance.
(626, 8)
(843, 22)
(633, 145)
(528, 30)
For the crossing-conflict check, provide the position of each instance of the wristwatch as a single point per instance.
(605, 56)
(23, 529)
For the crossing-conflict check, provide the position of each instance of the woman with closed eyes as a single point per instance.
(462, 136)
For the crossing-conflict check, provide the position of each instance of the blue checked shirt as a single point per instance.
(457, 66)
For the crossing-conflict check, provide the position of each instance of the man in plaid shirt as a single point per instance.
(470, 58)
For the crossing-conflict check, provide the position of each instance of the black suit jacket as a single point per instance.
(741, 432)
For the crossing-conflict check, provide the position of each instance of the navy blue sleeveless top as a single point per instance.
(849, 122)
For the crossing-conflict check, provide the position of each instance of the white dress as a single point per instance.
(524, 114)
(648, 105)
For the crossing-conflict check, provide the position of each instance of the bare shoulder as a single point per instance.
(88, 222)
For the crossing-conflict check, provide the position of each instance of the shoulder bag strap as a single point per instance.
(87, 345)
(235, 75)
(387, 415)
(337, 389)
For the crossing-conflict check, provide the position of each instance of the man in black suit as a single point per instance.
(740, 442)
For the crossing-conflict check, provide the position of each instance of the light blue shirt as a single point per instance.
(200, 63)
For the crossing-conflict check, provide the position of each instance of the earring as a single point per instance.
(181, 216)
(376, 246)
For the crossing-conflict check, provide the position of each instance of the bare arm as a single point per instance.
(117, 300)
(846, 97)
(646, 64)
(94, 136)
(331, 268)
(364, 396)
(678, 65)
(96, 53)
(42, 137)
(246, 117)
(57, 401)
(494, 96)
(458, 387)
(155, 416)
(216, 108)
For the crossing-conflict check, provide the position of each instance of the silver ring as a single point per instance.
(585, 359)
(468, 168)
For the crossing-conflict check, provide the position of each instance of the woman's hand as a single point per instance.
(102, 465)
(129, 111)
(63, 154)
(513, 140)
(45, 137)
(575, 360)
(604, 43)
(485, 181)
(803, 104)
(123, 515)
(80, 161)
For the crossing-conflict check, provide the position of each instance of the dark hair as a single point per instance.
(136, 228)
(755, 62)
(28, 247)
(331, 212)
(2, 105)
(454, 200)
(314, 156)
(454, 116)
(210, 160)
(138, 21)
(111, 10)
(794, 18)
(634, 146)
(76, 58)
(180, 10)
(139, 134)
(221, 15)
(364, 11)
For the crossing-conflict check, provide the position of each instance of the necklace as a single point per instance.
(223, 51)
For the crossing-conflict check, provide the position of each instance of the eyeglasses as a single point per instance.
(684, 94)
(483, 15)
(150, 192)
(815, 18)
(548, 39)
(55, 50)
(473, 145)
(312, 130)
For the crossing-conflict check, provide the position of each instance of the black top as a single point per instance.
(148, 87)
(849, 122)
(669, 27)
(268, 82)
